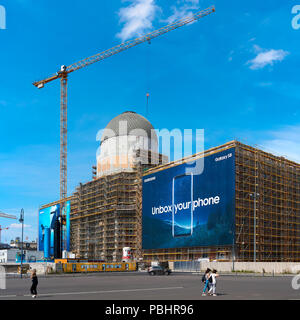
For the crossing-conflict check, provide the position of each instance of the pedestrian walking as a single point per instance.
(205, 279)
(213, 283)
(34, 281)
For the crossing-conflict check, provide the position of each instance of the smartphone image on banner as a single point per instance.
(182, 209)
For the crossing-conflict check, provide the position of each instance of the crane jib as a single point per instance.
(131, 43)
(128, 44)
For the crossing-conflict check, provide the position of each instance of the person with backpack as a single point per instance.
(205, 280)
(34, 280)
(213, 281)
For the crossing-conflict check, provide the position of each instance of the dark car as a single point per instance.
(156, 270)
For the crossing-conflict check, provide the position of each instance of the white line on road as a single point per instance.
(95, 292)
(8, 296)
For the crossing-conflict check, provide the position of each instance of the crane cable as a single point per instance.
(148, 71)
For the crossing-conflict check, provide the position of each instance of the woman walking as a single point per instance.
(205, 279)
(213, 280)
(34, 280)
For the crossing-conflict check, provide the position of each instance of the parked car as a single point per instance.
(156, 270)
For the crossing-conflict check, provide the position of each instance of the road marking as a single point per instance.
(8, 296)
(94, 292)
(108, 291)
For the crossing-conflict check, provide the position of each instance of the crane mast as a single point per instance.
(63, 136)
(63, 73)
(1, 229)
(8, 216)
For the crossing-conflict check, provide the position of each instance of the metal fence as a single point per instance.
(187, 266)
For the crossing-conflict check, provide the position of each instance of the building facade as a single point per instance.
(266, 210)
(106, 213)
(14, 256)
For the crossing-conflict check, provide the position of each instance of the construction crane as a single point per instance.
(64, 72)
(1, 229)
(4, 215)
(8, 216)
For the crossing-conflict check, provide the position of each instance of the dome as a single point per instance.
(133, 120)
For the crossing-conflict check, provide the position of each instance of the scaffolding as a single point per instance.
(104, 217)
(106, 212)
(267, 206)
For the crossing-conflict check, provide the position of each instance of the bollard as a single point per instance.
(2, 278)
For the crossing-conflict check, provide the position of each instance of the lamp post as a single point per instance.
(233, 248)
(21, 220)
(254, 195)
(233, 252)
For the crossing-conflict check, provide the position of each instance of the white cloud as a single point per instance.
(183, 9)
(30, 228)
(266, 57)
(284, 142)
(19, 226)
(137, 18)
(264, 84)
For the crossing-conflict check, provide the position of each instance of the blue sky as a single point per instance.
(234, 74)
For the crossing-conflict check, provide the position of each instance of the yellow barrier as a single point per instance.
(98, 266)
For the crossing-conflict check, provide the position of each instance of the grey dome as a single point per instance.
(134, 122)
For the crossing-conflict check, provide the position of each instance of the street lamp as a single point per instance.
(254, 195)
(21, 220)
(233, 248)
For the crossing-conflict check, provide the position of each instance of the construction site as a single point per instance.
(56, 217)
(106, 213)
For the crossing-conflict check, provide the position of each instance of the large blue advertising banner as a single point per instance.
(66, 213)
(182, 208)
(47, 220)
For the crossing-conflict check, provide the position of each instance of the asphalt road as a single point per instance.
(141, 286)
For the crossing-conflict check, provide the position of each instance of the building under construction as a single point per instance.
(106, 212)
(107, 215)
(267, 210)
